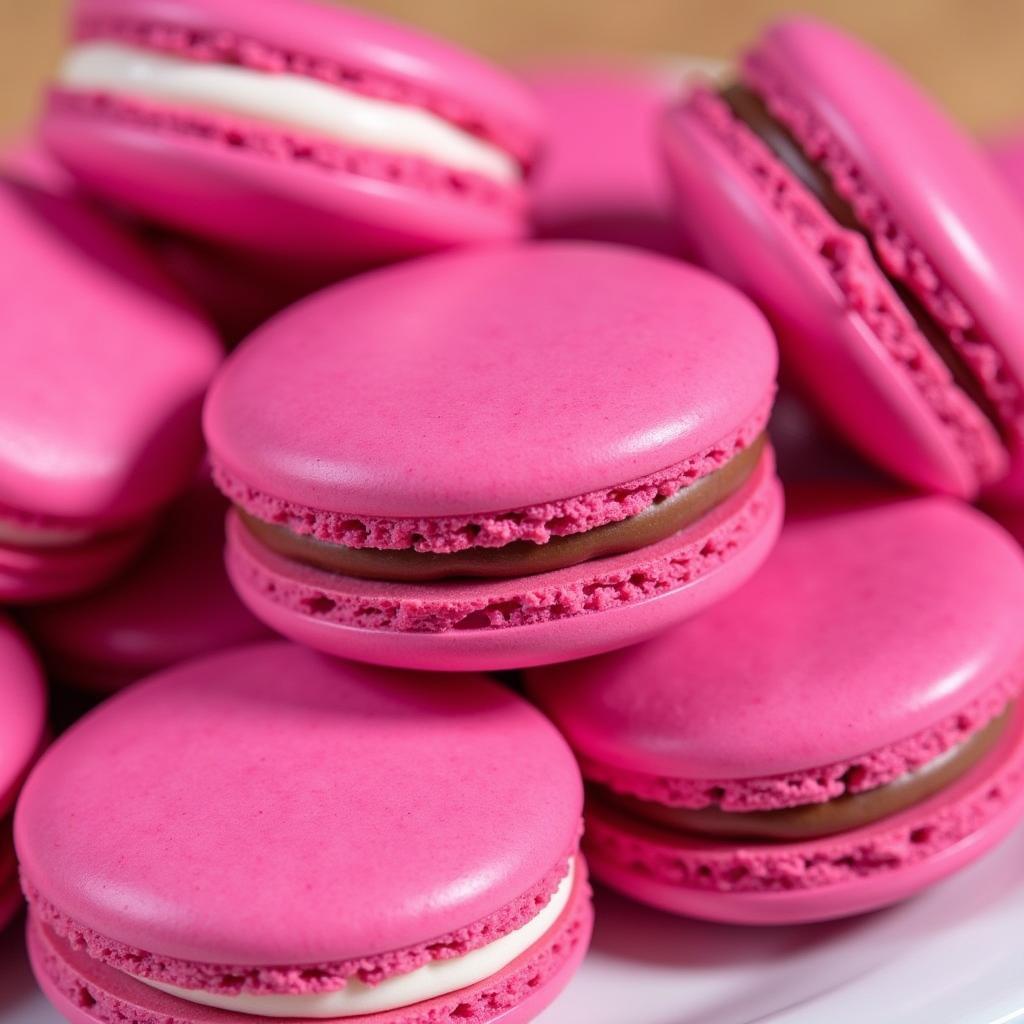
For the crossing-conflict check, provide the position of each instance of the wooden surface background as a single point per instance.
(968, 52)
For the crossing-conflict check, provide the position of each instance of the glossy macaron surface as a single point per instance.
(865, 626)
(415, 806)
(104, 368)
(529, 374)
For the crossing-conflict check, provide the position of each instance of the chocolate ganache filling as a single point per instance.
(664, 517)
(812, 821)
(750, 109)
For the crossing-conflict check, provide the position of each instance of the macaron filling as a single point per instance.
(748, 107)
(357, 997)
(664, 516)
(764, 106)
(292, 101)
(806, 821)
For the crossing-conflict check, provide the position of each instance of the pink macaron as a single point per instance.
(294, 836)
(105, 366)
(22, 732)
(878, 239)
(173, 603)
(496, 458)
(312, 132)
(840, 733)
(602, 177)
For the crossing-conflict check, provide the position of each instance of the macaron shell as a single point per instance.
(110, 429)
(953, 205)
(557, 957)
(600, 177)
(28, 575)
(837, 359)
(990, 797)
(283, 594)
(174, 603)
(22, 710)
(315, 218)
(230, 764)
(869, 622)
(522, 392)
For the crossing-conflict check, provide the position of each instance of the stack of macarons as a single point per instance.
(551, 454)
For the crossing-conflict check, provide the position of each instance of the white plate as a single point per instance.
(952, 956)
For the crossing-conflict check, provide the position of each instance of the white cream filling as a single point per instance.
(326, 110)
(433, 979)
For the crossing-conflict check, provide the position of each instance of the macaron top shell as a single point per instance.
(273, 806)
(488, 380)
(869, 623)
(104, 367)
(376, 55)
(950, 230)
(22, 710)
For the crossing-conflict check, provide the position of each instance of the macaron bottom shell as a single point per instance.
(87, 991)
(46, 573)
(310, 606)
(837, 876)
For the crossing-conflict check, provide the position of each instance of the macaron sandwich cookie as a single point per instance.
(311, 131)
(496, 458)
(837, 735)
(104, 370)
(878, 239)
(22, 733)
(173, 603)
(602, 176)
(297, 837)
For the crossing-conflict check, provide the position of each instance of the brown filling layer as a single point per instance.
(749, 108)
(520, 558)
(813, 821)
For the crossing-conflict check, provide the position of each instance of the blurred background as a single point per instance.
(967, 52)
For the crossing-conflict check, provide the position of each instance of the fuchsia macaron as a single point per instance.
(879, 240)
(294, 836)
(309, 131)
(840, 733)
(104, 370)
(173, 603)
(22, 733)
(497, 458)
(601, 177)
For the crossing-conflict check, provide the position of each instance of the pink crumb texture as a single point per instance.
(278, 145)
(898, 252)
(489, 605)
(817, 785)
(233, 979)
(845, 257)
(982, 800)
(98, 994)
(339, 47)
(535, 523)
